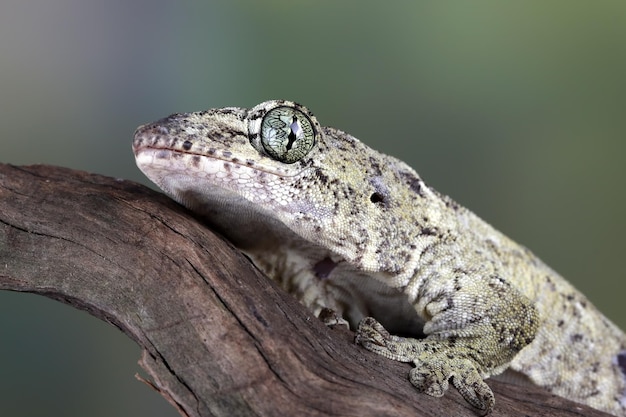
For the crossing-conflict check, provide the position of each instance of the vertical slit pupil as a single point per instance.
(292, 133)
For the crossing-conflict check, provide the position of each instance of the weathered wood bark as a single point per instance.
(219, 339)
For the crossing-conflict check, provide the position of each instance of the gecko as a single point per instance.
(353, 231)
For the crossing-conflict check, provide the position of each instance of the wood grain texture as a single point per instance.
(218, 338)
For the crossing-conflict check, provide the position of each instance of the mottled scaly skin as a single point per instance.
(348, 228)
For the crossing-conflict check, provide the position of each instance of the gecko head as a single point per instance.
(274, 164)
(277, 138)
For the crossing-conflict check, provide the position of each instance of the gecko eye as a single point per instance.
(287, 134)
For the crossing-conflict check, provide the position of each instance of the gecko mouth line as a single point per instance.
(194, 159)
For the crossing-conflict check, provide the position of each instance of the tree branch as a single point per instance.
(218, 338)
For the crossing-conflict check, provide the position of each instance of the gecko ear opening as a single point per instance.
(377, 198)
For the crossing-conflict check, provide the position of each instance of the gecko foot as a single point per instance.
(436, 363)
(331, 319)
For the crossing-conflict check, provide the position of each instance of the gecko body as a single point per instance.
(346, 228)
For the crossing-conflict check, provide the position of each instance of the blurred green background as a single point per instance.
(515, 109)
